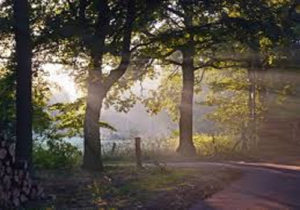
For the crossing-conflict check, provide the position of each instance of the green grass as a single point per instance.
(141, 186)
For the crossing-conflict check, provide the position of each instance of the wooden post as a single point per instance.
(113, 149)
(138, 152)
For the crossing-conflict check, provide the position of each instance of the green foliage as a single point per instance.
(41, 94)
(68, 118)
(210, 145)
(207, 145)
(121, 97)
(56, 154)
(166, 97)
(229, 94)
(107, 126)
(7, 105)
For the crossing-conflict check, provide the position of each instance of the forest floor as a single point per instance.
(154, 187)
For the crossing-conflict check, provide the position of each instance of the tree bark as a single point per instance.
(186, 146)
(92, 146)
(23, 90)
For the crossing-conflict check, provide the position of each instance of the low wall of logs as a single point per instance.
(16, 186)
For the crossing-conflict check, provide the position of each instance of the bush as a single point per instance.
(56, 154)
(208, 145)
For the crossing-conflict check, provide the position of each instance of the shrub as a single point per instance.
(208, 145)
(56, 154)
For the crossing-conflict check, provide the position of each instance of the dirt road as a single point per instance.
(263, 186)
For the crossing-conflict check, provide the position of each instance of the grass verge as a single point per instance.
(154, 187)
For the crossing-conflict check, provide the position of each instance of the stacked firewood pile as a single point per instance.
(16, 186)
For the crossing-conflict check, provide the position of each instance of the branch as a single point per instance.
(149, 63)
(173, 62)
(173, 73)
(143, 72)
(202, 75)
(225, 67)
(172, 21)
(147, 33)
(126, 53)
(208, 64)
(141, 45)
(231, 59)
(213, 61)
(176, 12)
(173, 34)
(169, 53)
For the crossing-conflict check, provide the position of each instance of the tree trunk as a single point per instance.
(251, 104)
(186, 146)
(95, 95)
(252, 95)
(23, 91)
(92, 146)
(98, 86)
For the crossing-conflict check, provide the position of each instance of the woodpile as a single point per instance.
(16, 186)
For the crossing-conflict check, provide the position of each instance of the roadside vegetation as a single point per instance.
(126, 187)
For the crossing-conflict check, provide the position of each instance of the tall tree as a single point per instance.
(186, 145)
(23, 91)
(191, 29)
(98, 85)
(198, 29)
(95, 37)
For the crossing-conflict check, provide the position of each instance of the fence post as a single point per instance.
(113, 149)
(138, 152)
